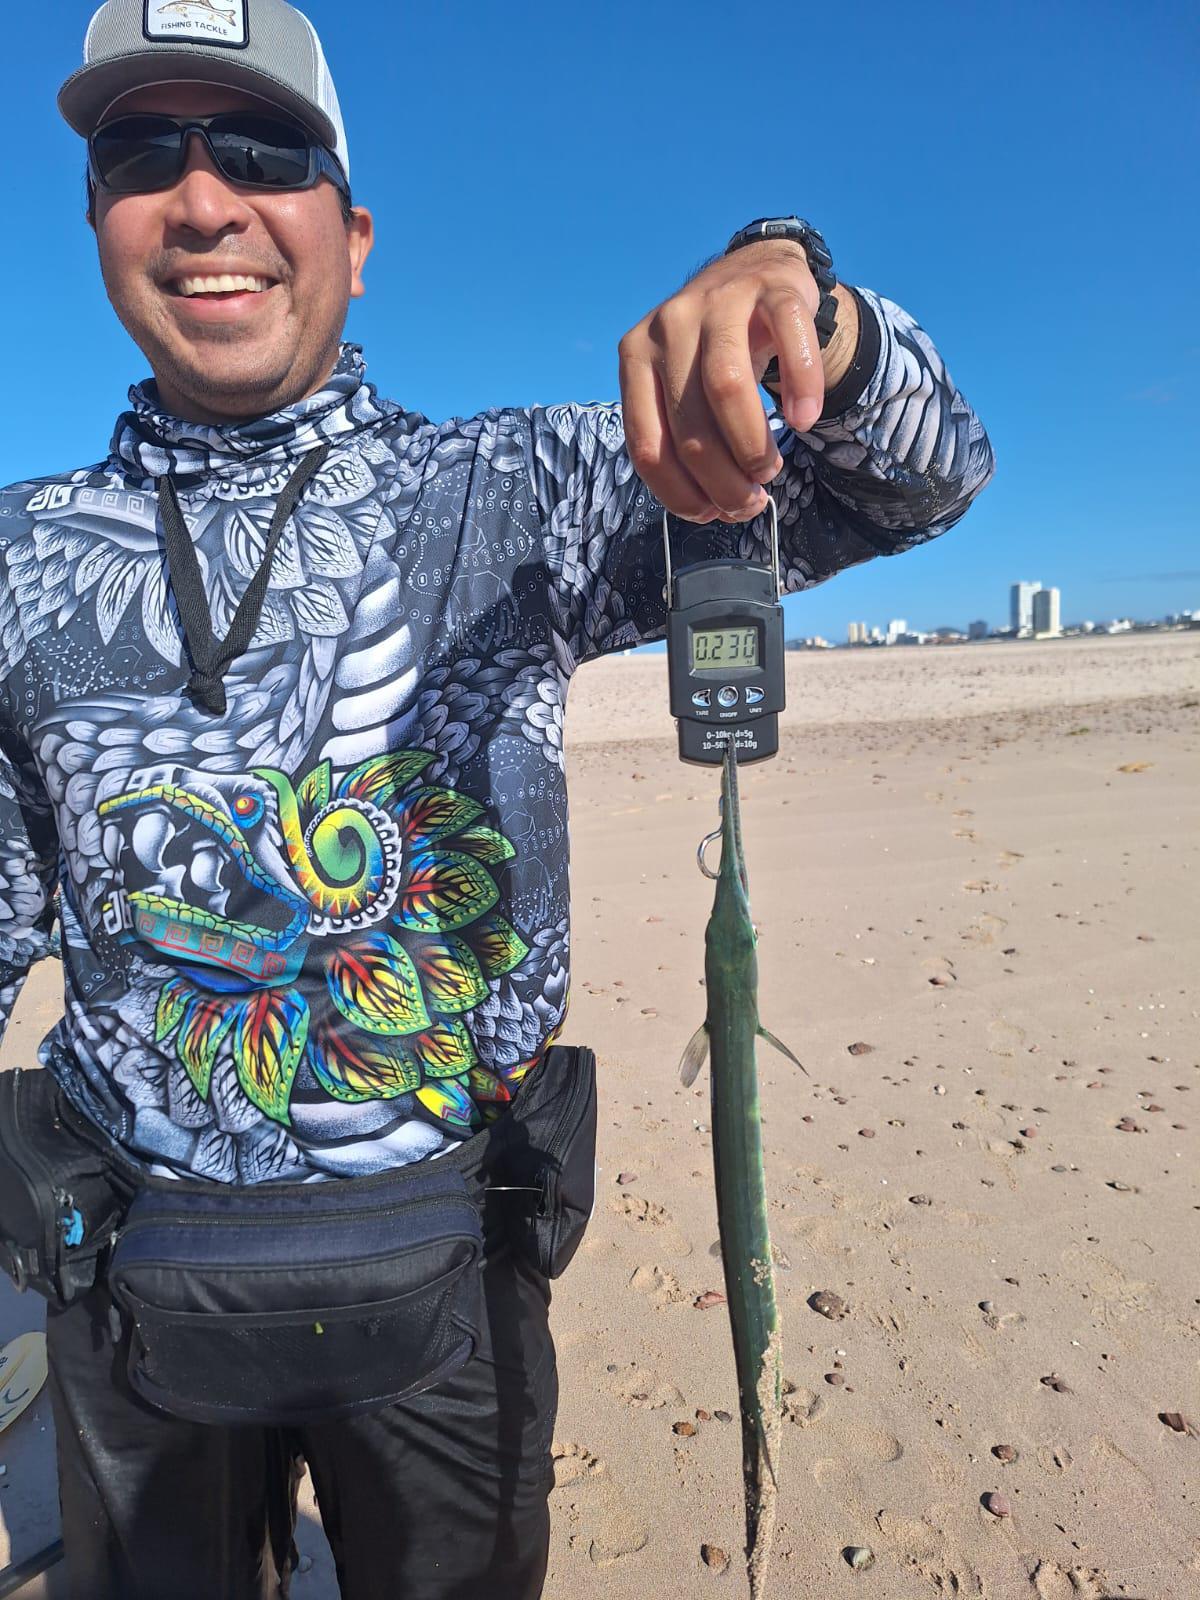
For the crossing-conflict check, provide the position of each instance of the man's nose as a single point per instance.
(203, 199)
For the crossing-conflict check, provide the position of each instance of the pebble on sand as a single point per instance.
(866, 1133)
(1004, 1452)
(828, 1304)
(997, 1504)
(707, 1300)
(686, 1429)
(626, 1177)
(859, 1556)
(859, 1048)
(836, 1379)
(920, 1200)
(713, 1556)
(1053, 1381)
(1128, 1125)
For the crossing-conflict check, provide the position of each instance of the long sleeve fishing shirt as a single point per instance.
(326, 931)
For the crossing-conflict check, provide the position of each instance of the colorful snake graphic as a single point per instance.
(377, 933)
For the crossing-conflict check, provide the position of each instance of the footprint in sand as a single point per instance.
(966, 833)
(964, 812)
(648, 1214)
(979, 886)
(928, 1552)
(1004, 1038)
(1009, 858)
(661, 1285)
(802, 1406)
(1054, 1458)
(1052, 1582)
(876, 1444)
(573, 1463)
(644, 1392)
(939, 971)
(617, 1530)
(983, 930)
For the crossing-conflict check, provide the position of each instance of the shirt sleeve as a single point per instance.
(896, 458)
(28, 870)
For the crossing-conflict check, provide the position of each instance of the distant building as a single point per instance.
(876, 635)
(977, 630)
(1021, 607)
(857, 633)
(1047, 619)
(895, 628)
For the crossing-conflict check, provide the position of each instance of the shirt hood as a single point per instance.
(152, 443)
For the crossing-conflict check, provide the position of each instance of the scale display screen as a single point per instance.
(719, 649)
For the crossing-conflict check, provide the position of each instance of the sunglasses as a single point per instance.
(143, 152)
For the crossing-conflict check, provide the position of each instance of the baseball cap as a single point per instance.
(265, 47)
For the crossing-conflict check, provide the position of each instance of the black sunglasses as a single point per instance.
(143, 152)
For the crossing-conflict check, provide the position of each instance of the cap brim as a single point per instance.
(88, 93)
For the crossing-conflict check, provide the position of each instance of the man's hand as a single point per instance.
(695, 424)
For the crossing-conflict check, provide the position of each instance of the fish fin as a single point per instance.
(694, 1056)
(782, 1048)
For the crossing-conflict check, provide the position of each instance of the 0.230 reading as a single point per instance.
(718, 649)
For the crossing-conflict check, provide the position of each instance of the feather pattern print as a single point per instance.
(327, 932)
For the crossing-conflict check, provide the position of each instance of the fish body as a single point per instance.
(728, 1036)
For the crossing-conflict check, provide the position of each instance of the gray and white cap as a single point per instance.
(266, 47)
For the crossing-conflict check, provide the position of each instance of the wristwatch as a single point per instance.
(820, 264)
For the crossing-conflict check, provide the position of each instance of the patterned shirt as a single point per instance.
(326, 932)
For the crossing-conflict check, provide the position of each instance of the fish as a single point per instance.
(727, 1037)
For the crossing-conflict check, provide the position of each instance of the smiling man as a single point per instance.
(283, 684)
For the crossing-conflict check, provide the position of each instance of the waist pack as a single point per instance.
(59, 1208)
(299, 1303)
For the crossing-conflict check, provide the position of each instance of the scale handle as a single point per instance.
(669, 595)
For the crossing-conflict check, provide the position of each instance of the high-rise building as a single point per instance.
(1047, 616)
(857, 633)
(896, 627)
(1021, 606)
(977, 630)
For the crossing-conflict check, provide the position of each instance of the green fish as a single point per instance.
(728, 1033)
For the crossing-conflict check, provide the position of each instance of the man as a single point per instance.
(283, 681)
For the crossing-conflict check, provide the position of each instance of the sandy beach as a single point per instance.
(974, 873)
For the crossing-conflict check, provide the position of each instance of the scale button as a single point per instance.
(753, 696)
(702, 697)
(728, 695)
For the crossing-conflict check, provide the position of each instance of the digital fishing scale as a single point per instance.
(725, 655)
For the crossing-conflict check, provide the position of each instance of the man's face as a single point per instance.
(217, 359)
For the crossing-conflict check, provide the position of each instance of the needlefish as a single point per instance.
(727, 1036)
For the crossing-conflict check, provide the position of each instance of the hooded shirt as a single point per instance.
(327, 932)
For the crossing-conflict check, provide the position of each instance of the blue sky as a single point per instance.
(1020, 177)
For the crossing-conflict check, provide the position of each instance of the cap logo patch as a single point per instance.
(196, 21)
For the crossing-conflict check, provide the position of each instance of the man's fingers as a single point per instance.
(731, 390)
(650, 447)
(699, 444)
(801, 374)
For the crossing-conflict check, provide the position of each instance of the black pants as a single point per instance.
(442, 1497)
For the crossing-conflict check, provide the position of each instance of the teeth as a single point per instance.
(227, 283)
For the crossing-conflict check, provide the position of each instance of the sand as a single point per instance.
(979, 862)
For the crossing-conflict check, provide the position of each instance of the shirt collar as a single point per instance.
(149, 441)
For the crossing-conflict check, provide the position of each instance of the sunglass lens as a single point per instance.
(137, 153)
(260, 150)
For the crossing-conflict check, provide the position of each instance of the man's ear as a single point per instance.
(360, 237)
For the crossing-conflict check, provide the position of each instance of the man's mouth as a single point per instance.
(223, 286)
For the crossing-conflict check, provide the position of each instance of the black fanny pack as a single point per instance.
(59, 1209)
(299, 1303)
